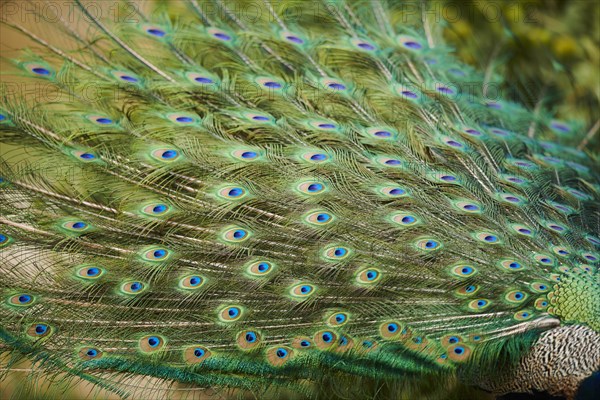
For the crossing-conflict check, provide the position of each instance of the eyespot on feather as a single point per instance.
(39, 330)
(463, 271)
(278, 356)
(337, 319)
(319, 218)
(234, 193)
(516, 296)
(541, 304)
(539, 287)
(196, 354)
(428, 244)
(324, 340)
(391, 330)
(191, 282)
(315, 157)
(393, 191)
(467, 290)
(302, 291)
(302, 342)
(21, 300)
(259, 269)
(311, 188)
(166, 155)
(487, 237)
(336, 253)
(156, 254)
(450, 340)
(248, 339)
(345, 343)
(523, 230)
(151, 344)
(523, 315)
(231, 313)
(405, 219)
(544, 259)
(235, 235)
(478, 304)
(368, 276)
(246, 155)
(133, 287)
(89, 353)
(511, 265)
(459, 353)
(90, 272)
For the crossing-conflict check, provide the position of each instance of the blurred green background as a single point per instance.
(544, 49)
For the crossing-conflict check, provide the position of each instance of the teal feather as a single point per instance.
(285, 208)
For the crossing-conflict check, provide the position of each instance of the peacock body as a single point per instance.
(327, 205)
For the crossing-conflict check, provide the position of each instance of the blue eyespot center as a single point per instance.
(263, 266)
(393, 327)
(397, 192)
(260, 118)
(222, 36)
(79, 225)
(327, 337)
(430, 244)
(392, 162)
(305, 343)
(159, 208)
(235, 192)
(153, 341)
(318, 157)
(366, 46)
(199, 352)
(518, 295)
(323, 217)
(93, 271)
(481, 303)
(40, 329)
(466, 270)
(339, 252)
(336, 86)
(272, 85)
(514, 265)
(470, 207)
(250, 337)
(160, 253)
(470, 289)
(169, 154)
(239, 234)
(233, 312)
(315, 187)
(128, 78)
(305, 289)
(490, 238)
(448, 178)
(201, 79)
(87, 156)
(408, 219)
(135, 286)
(156, 32)
(195, 280)
(184, 119)
(453, 340)
(339, 318)
(459, 350)
(41, 71)
(104, 121)
(281, 352)
(371, 275)
(249, 154)
(92, 353)
(24, 298)
(326, 126)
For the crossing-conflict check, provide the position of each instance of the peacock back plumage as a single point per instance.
(208, 197)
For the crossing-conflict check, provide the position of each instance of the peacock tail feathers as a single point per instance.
(266, 204)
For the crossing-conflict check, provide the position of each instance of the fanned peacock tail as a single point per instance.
(271, 205)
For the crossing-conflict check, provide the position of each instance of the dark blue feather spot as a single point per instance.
(327, 337)
(135, 286)
(233, 312)
(222, 36)
(392, 327)
(340, 252)
(525, 231)
(430, 244)
(514, 265)
(294, 39)
(304, 343)
(128, 78)
(336, 86)
(281, 352)
(92, 353)
(87, 156)
(448, 178)
(156, 32)
(235, 192)
(250, 337)
(239, 234)
(326, 126)
(169, 154)
(104, 121)
(318, 157)
(413, 45)
(459, 350)
(305, 289)
(249, 154)
(409, 94)
(195, 280)
(153, 341)
(160, 253)
(323, 217)
(159, 208)
(24, 298)
(79, 225)
(40, 329)
(199, 352)
(315, 187)
(397, 192)
(366, 46)
(392, 162)
(184, 119)
(490, 238)
(201, 79)
(272, 85)
(470, 207)
(263, 266)
(93, 271)
(41, 71)
(372, 274)
(408, 219)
